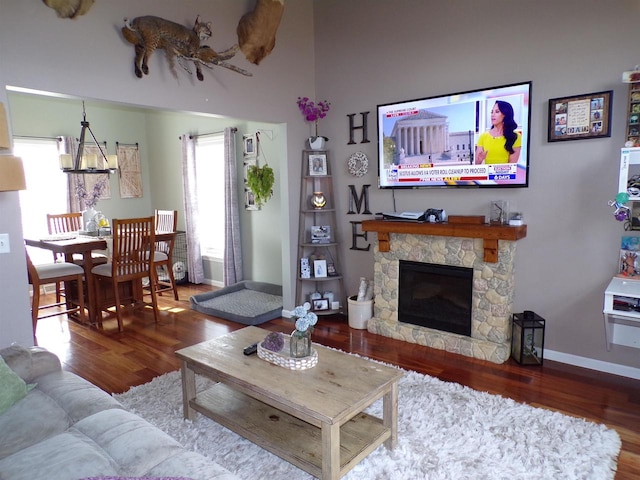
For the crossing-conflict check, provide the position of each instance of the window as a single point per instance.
(46, 189)
(210, 187)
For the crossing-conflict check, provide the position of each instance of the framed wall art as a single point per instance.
(580, 117)
(249, 145)
(317, 164)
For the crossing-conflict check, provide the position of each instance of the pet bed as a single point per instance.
(246, 302)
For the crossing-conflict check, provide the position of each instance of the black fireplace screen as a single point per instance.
(435, 296)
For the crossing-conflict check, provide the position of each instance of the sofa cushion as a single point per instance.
(109, 443)
(12, 387)
(59, 400)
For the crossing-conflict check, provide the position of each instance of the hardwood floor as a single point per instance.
(116, 361)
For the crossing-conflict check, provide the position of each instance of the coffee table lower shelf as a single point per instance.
(292, 439)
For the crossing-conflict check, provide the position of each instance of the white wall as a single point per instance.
(372, 52)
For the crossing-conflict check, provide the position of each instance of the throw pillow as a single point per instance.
(12, 387)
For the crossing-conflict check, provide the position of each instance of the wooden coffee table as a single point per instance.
(312, 418)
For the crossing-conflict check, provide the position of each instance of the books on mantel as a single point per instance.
(629, 261)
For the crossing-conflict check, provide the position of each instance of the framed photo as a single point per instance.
(250, 200)
(320, 268)
(249, 145)
(248, 162)
(580, 117)
(321, 304)
(317, 164)
(320, 234)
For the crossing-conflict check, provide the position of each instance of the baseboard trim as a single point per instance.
(590, 363)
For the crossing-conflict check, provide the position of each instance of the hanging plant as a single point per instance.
(260, 181)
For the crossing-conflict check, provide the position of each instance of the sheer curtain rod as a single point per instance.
(36, 138)
(127, 144)
(234, 130)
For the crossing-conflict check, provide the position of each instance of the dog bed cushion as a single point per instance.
(246, 302)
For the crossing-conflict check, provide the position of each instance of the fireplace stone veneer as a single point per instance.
(493, 283)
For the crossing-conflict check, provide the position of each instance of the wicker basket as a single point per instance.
(282, 358)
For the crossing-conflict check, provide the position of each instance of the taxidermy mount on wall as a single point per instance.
(69, 8)
(149, 33)
(257, 29)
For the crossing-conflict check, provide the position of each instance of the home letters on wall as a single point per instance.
(363, 127)
(358, 201)
(149, 33)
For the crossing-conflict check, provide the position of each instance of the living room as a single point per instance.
(343, 52)
(356, 55)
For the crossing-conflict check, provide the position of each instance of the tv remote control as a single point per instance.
(251, 349)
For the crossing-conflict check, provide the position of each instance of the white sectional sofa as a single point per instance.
(65, 428)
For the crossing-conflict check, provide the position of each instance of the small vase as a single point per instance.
(300, 344)
(317, 143)
(88, 216)
(318, 200)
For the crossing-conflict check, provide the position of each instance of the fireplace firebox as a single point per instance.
(435, 296)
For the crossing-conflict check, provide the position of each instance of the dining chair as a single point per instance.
(40, 275)
(60, 223)
(118, 283)
(166, 221)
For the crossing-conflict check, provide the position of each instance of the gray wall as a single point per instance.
(359, 53)
(370, 52)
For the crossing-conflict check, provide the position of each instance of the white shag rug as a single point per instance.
(446, 431)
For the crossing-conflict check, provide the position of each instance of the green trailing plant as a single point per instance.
(260, 181)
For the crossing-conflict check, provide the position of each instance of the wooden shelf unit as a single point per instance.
(326, 216)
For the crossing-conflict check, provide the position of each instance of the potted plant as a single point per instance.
(260, 181)
(313, 112)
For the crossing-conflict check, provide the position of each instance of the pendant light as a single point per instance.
(88, 163)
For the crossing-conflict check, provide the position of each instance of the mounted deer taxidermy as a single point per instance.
(69, 8)
(149, 33)
(257, 29)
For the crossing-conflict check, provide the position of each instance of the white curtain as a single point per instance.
(194, 257)
(232, 241)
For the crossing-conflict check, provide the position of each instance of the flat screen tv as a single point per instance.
(436, 141)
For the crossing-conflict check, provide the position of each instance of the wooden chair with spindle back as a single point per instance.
(131, 263)
(40, 275)
(166, 222)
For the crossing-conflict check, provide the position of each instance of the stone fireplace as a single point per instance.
(487, 249)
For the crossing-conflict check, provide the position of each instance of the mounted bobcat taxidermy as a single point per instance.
(257, 30)
(149, 33)
(69, 8)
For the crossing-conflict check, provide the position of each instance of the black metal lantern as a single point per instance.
(527, 338)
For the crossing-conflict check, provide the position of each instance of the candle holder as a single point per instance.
(318, 200)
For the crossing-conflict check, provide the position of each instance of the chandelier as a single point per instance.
(88, 162)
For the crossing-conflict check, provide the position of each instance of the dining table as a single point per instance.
(74, 243)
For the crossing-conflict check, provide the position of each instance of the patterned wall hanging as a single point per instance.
(130, 173)
(91, 179)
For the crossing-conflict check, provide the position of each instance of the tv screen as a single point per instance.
(478, 138)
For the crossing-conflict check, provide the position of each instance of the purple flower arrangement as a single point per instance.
(90, 198)
(313, 112)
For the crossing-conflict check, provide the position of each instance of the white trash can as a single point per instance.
(359, 312)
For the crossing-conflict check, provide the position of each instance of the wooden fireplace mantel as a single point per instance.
(489, 233)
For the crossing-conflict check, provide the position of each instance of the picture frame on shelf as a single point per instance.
(305, 268)
(249, 145)
(321, 304)
(320, 268)
(331, 269)
(320, 234)
(580, 117)
(318, 164)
